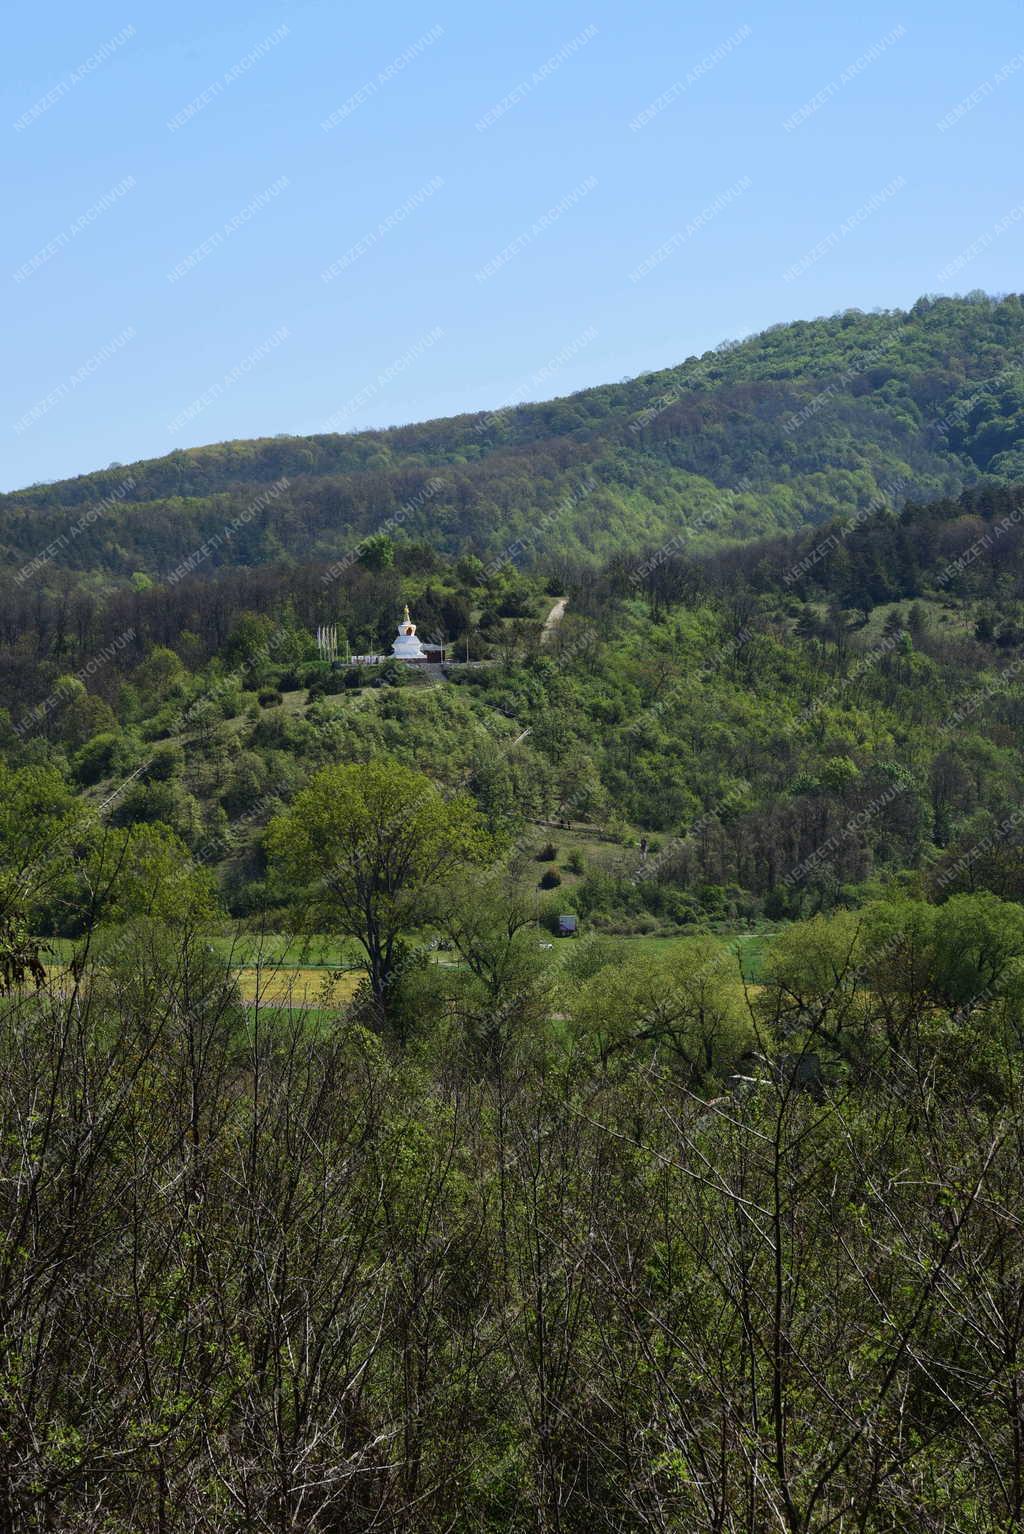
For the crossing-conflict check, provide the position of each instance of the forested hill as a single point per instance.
(802, 721)
(793, 426)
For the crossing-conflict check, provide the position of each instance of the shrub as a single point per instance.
(548, 853)
(270, 698)
(166, 763)
(327, 684)
(514, 603)
(393, 673)
(575, 863)
(100, 757)
(550, 879)
(146, 803)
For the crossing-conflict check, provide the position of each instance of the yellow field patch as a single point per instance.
(287, 987)
(275, 986)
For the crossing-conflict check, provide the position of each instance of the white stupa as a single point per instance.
(406, 645)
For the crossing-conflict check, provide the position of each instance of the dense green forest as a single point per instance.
(801, 422)
(787, 725)
(337, 1192)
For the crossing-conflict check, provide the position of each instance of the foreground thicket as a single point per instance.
(258, 1274)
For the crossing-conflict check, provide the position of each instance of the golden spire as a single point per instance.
(405, 619)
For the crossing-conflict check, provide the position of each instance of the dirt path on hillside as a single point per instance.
(552, 620)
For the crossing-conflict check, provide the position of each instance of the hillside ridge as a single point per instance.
(799, 422)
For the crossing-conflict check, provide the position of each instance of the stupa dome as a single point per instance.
(406, 646)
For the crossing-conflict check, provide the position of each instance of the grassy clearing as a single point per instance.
(316, 950)
(750, 949)
(596, 853)
(950, 618)
(320, 974)
(243, 950)
(300, 988)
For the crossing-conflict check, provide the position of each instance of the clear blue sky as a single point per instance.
(490, 239)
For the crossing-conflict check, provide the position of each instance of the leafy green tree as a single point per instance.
(160, 675)
(979, 951)
(247, 781)
(368, 844)
(496, 790)
(166, 763)
(690, 1006)
(146, 871)
(813, 994)
(84, 716)
(249, 644)
(896, 956)
(839, 773)
(493, 928)
(378, 552)
(202, 718)
(167, 802)
(470, 570)
(42, 829)
(101, 756)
